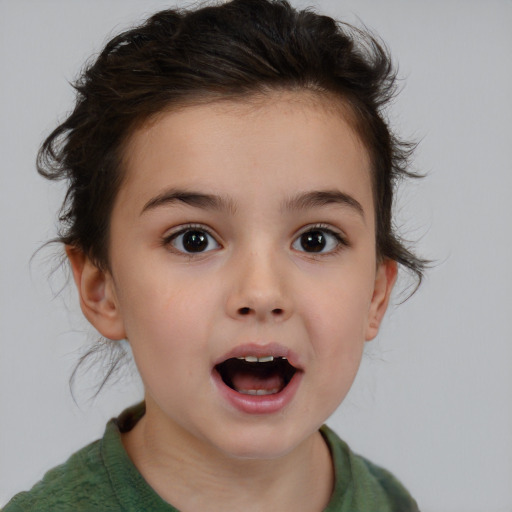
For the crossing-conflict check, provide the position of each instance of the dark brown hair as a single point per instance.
(230, 51)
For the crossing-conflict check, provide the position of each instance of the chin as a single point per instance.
(261, 442)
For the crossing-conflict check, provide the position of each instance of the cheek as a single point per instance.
(166, 338)
(168, 317)
(339, 310)
(153, 311)
(336, 332)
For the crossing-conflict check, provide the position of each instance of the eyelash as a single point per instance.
(339, 240)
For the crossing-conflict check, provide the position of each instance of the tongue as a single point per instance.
(247, 383)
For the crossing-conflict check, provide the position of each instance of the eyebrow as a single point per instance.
(320, 198)
(305, 201)
(197, 199)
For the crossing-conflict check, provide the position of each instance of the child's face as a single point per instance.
(245, 230)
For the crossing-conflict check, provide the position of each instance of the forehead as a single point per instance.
(287, 141)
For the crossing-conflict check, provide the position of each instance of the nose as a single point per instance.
(259, 288)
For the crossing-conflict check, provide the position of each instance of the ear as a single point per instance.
(97, 295)
(384, 281)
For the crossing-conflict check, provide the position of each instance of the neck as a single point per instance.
(192, 476)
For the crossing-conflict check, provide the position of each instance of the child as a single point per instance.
(230, 185)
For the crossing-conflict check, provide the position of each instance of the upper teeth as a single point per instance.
(254, 359)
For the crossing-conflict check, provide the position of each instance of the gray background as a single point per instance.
(433, 400)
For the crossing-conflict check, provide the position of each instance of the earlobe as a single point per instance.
(97, 295)
(384, 281)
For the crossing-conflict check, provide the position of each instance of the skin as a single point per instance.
(256, 285)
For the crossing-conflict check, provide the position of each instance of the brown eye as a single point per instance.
(313, 241)
(319, 241)
(193, 241)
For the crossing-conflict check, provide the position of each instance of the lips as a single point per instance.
(258, 379)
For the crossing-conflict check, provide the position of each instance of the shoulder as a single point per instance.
(80, 484)
(362, 485)
(100, 476)
(384, 485)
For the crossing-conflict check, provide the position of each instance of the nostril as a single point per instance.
(245, 311)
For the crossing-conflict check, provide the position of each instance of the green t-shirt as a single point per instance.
(102, 478)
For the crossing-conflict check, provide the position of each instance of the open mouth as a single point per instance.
(251, 375)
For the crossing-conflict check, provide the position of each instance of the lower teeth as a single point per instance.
(258, 392)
